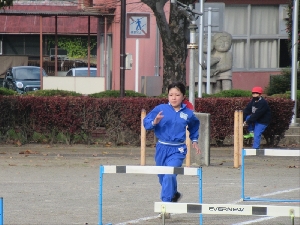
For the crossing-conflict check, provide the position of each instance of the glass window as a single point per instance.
(257, 43)
(263, 54)
(236, 20)
(28, 73)
(264, 20)
(238, 48)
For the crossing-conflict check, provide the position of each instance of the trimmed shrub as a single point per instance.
(279, 84)
(116, 94)
(45, 93)
(5, 91)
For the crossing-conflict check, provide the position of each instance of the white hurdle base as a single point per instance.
(227, 209)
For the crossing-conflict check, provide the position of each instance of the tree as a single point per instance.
(289, 28)
(5, 3)
(174, 37)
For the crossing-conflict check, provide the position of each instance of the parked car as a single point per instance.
(23, 78)
(82, 72)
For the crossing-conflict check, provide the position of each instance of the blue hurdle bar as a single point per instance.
(130, 169)
(1, 211)
(261, 153)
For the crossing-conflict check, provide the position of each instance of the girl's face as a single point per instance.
(175, 97)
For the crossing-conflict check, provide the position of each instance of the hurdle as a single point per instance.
(147, 170)
(1, 211)
(264, 152)
(228, 209)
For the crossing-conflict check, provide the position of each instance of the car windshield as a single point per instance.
(84, 73)
(28, 73)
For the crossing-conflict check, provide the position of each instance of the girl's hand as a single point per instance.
(158, 118)
(195, 146)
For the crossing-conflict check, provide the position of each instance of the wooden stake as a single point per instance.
(143, 139)
(236, 140)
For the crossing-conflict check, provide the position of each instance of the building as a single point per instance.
(258, 28)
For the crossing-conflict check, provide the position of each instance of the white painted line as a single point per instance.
(277, 192)
(137, 220)
(254, 221)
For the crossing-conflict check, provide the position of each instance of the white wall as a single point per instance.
(83, 85)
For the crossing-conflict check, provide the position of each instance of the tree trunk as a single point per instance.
(173, 35)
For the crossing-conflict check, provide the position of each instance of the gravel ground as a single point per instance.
(60, 185)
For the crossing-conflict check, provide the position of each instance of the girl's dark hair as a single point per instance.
(178, 85)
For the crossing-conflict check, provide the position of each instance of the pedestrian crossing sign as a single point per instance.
(138, 25)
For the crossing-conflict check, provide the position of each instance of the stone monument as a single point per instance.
(220, 63)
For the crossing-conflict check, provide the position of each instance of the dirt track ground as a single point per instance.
(60, 185)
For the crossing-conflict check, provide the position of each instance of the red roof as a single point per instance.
(71, 20)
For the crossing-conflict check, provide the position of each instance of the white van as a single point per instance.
(82, 72)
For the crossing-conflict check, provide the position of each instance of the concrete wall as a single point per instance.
(203, 142)
(83, 85)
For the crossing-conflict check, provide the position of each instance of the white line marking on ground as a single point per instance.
(279, 192)
(254, 221)
(138, 220)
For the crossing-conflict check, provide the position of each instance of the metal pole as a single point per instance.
(89, 46)
(137, 65)
(122, 48)
(192, 46)
(41, 51)
(157, 49)
(55, 61)
(200, 49)
(101, 171)
(294, 60)
(1, 211)
(208, 52)
(200, 192)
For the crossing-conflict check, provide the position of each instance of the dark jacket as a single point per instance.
(259, 110)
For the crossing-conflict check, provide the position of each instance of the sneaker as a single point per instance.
(177, 197)
(167, 215)
(250, 135)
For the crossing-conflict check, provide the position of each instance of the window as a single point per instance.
(258, 36)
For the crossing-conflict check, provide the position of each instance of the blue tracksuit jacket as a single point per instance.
(172, 127)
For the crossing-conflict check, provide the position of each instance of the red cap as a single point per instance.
(258, 90)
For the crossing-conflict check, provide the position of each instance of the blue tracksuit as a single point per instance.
(171, 148)
(257, 114)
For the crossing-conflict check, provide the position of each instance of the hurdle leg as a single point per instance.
(100, 195)
(1, 211)
(292, 216)
(163, 214)
(199, 171)
(243, 175)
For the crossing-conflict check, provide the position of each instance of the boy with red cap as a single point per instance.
(257, 116)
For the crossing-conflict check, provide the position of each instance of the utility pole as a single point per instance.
(122, 48)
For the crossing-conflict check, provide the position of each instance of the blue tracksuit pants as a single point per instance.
(257, 129)
(167, 155)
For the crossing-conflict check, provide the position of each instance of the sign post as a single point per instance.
(138, 26)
